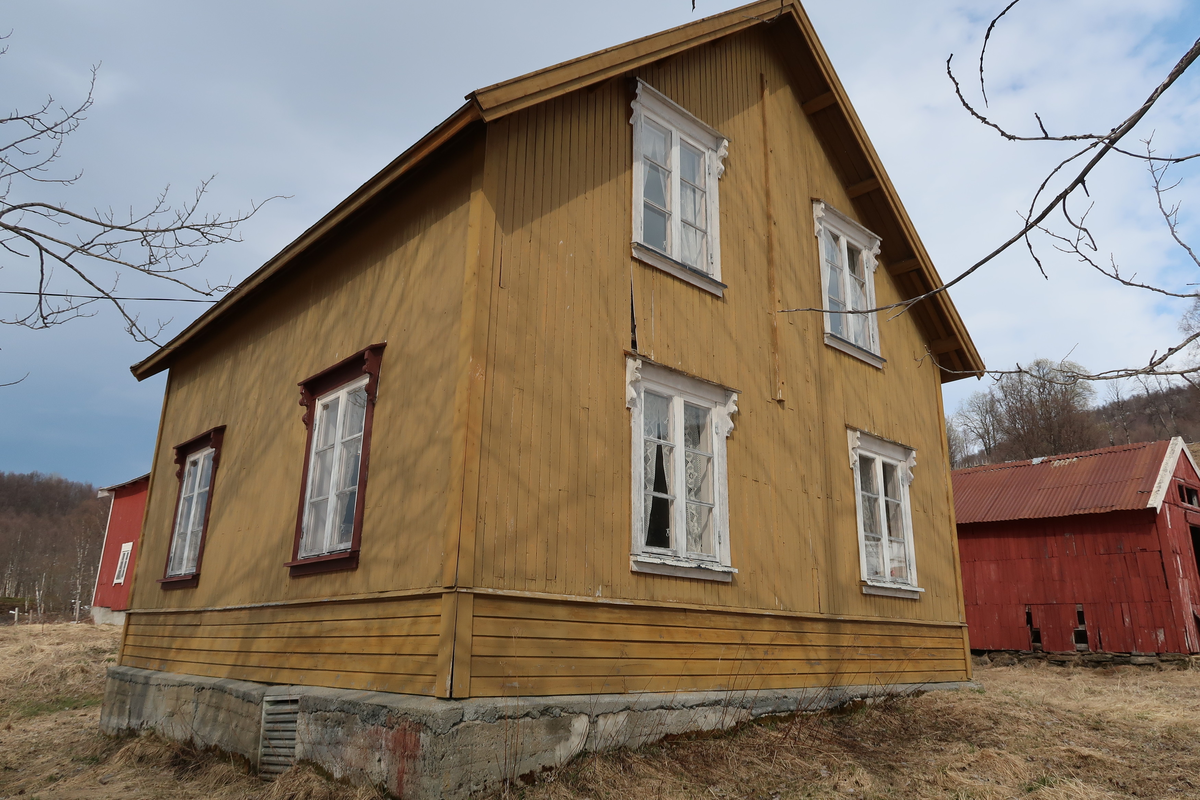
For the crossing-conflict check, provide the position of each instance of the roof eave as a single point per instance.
(105, 491)
(468, 113)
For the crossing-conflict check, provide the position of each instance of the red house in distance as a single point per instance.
(1092, 551)
(117, 556)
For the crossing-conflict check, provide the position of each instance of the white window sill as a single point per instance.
(677, 268)
(849, 348)
(893, 590)
(681, 568)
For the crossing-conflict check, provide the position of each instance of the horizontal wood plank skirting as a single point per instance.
(386, 644)
(529, 643)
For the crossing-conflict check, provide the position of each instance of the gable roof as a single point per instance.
(1121, 478)
(823, 99)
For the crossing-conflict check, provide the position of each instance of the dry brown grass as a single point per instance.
(51, 685)
(1038, 732)
(53, 667)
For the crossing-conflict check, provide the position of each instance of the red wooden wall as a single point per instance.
(1133, 572)
(124, 525)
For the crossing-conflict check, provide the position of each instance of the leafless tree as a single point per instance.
(1031, 413)
(66, 259)
(979, 417)
(956, 444)
(1118, 415)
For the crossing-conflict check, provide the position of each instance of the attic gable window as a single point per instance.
(848, 253)
(339, 407)
(197, 461)
(680, 486)
(883, 471)
(677, 163)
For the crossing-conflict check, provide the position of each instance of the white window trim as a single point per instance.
(325, 548)
(122, 564)
(654, 105)
(828, 218)
(906, 459)
(187, 569)
(723, 403)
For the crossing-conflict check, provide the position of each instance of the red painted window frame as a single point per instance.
(365, 362)
(213, 438)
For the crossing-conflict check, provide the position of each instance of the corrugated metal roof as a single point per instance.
(1110, 479)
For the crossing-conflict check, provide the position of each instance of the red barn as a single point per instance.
(1092, 551)
(111, 596)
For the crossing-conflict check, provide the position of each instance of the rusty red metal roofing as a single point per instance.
(1092, 482)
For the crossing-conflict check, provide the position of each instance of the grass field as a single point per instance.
(1038, 732)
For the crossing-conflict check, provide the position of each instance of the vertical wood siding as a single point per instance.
(1130, 572)
(394, 275)
(554, 508)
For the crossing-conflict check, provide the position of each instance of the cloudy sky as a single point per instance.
(309, 99)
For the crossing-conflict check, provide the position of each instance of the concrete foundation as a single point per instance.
(106, 616)
(418, 747)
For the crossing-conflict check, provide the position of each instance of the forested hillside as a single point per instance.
(51, 532)
(1043, 414)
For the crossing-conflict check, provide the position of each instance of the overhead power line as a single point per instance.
(111, 297)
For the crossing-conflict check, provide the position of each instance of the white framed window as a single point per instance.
(883, 471)
(122, 563)
(849, 255)
(192, 513)
(677, 163)
(680, 487)
(333, 470)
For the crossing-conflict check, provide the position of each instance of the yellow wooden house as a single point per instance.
(558, 432)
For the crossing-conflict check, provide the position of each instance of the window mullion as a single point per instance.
(885, 544)
(847, 281)
(334, 468)
(676, 243)
(679, 489)
(191, 521)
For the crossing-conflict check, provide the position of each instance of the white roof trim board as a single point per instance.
(1167, 471)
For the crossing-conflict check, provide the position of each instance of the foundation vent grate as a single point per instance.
(277, 748)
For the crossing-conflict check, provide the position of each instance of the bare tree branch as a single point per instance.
(47, 244)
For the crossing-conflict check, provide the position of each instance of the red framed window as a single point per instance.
(196, 461)
(339, 408)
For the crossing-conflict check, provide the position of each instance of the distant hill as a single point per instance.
(51, 532)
